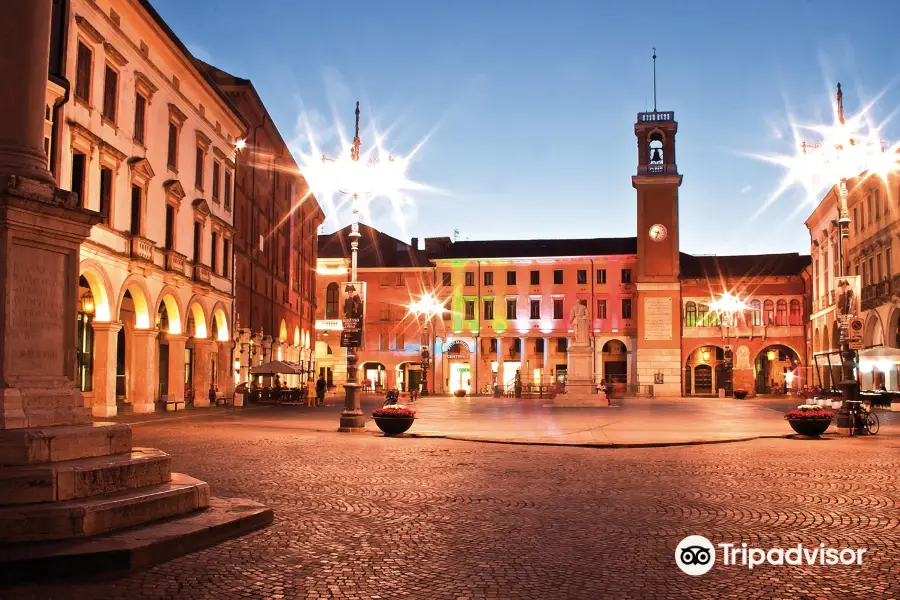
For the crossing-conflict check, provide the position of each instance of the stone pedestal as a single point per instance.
(176, 371)
(581, 390)
(201, 372)
(143, 370)
(664, 362)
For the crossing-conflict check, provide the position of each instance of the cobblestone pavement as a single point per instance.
(360, 516)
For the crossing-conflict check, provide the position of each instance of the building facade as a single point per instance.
(276, 231)
(874, 210)
(652, 308)
(145, 138)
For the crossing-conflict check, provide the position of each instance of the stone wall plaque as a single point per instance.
(657, 318)
(35, 309)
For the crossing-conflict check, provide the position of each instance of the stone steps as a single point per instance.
(134, 548)
(85, 477)
(64, 442)
(101, 514)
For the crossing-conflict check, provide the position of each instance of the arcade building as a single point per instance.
(658, 322)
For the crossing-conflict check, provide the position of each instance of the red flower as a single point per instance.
(809, 414)
(392, 411)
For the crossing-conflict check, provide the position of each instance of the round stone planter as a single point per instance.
(394, 425)
(740, 394)
(810, 427)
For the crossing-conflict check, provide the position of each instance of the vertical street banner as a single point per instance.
(353, 303)
(847, 290)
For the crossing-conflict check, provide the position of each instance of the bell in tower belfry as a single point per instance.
(656, 157)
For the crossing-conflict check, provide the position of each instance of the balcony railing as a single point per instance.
(201, 273)
(657, 169)
(175, 262)
(655, 116)
(876, 294)
(141, 248)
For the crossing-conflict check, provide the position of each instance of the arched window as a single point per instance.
(714, 319)
(332, 296)
(768, 312)
(690, 314)
(816, 346)
(755, 313)
(781, 313)
(702, 314)
(796, 314)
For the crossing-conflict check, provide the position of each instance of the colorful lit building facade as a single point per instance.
(146, 139)
(874, 210)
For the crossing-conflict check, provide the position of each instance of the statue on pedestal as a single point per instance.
(580, 322)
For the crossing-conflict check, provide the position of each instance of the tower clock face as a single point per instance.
(658, 233)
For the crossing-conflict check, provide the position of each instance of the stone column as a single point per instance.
(244, 356)
(500, 374)
(143, 370)
(523, 358)
(202, 350)
(546, 375)
(225, 384)
(473, 369)
(266, 355)
(176, 368)
(106, 337)
(24, 56)
(277, 350)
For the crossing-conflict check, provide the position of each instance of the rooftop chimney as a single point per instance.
(415, 243)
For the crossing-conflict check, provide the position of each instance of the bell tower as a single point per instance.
(658, 285)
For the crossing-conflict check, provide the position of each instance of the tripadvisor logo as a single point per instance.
(696, 555)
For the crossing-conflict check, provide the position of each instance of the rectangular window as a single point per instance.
(557, 277)
(172, 156)
(493, 345)
(470, 310)
(626, 275)
(226, 249)
(140, 117)
(626, 308)
(79, 166)
(601, 308)
(83, 73)
(535, 309)
(470, 278)
(557, 308)
(196, 242)
(582, 277)
(401, 342)
(110, 93)
(446, 279)
(106, 187)
(488, 310)
(227, 189)
(170, 227)
(198, 169)
(539, 345)
(510, 278)
(877, 205)
(871, 270)
(213, 258)
(889, 268)
(562, 344)
(136, 209)
(855, 219)
(488, 278)
(384, 342)
(535, 278)
(384, 312)
(510, 308)
(870, 208)
(601, 276)
(215, 181)
(879, 271)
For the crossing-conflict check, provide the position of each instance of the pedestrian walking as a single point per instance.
(321, 386)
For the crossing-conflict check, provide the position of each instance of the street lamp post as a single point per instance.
(427, 306)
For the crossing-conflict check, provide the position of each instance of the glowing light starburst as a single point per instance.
(359, 177)
(427, 306)
(727, 305)
(848, 148)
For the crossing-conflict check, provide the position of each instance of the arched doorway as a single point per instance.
(409, 376)
(705, 371)
(614, 357)
(459, 367)
(777, 369)
(373, 376)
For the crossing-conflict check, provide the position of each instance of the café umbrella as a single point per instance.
(277, 367)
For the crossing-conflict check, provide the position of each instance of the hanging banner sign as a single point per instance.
(353, 294)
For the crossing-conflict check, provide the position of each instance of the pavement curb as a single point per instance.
(461, 438)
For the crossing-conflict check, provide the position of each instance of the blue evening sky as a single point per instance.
(532, 104)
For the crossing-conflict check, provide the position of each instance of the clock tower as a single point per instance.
(658, 299)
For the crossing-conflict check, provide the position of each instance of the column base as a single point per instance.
(104, 411)
(352, 422)
(201, 402)
(143, 408)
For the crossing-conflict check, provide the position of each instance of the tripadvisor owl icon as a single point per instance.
(695, 555)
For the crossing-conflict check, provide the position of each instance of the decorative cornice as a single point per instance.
(114, 54)
(226, 226)
(107, 148)
(219, 154)
(203, 140)
(201, 207)
(174, 190)
(81, 131)
(175, 114)
(143, 85)
(89, 30)
(140, 168)
(229, 163)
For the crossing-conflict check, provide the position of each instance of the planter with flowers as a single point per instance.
(809, 419)
(459, 393)
(393, 419)
(740, 394)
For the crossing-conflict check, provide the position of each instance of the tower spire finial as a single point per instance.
(840, 104)
(654, 79)
(354, 151)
